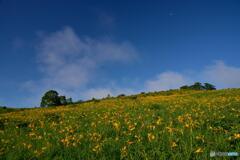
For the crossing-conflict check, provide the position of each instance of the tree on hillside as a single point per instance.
(199, 86)
(209, 86)
(62, 100)
(184, 87)
(69, 101)
(50, 98)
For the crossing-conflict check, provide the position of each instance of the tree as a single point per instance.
(50, 98)
(69, 101)
(184, 87)
(209, 86)
(108, 96)
(197, 86)
(62, 100)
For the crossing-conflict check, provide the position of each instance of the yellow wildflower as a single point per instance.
(200, 137)
(96, 148)
(131, 127)
(180, 119)
(123, 152)
(116, 125)
(237, 135)
(173, 144)
(199, 150)
(151, 137)
(159, 120)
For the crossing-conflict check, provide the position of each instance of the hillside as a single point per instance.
(163, 125)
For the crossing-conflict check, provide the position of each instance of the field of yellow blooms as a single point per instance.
(163, 125)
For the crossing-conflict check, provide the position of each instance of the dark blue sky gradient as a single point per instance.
(168, 35)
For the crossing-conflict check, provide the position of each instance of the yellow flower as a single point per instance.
(237, 135)
(199, 150)
(173, 144)
(200, 137)
(180, 119)
(93, 125)
(138, 138)
(123, 152)
(116, 125)
(169, 129)
(159, 120)
(151, 137)
(187, 126)
(29, 146)
(131, 127)
(96, 148)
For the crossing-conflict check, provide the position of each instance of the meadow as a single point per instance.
(177, 124)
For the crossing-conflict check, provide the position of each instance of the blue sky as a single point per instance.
(86, 49)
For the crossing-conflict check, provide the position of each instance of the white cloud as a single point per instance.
(68, 62)
(103, 92)
(222, 75)
(166, 80)
(97, 93)
(219, 74)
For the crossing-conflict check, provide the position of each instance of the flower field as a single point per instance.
(178, 124)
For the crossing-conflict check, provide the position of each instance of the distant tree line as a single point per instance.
(199, 86)
(52, 98)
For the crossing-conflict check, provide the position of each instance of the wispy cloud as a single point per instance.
(218, 73)
(166, 80)
(104, 92)
(68, 62)
(222, 75)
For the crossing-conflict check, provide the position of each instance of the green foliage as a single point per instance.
(95, 100)
(133, 97)
(69, 101)
(62, 100)
(4, 109)
(184, 87)
(199, 86)
(121, 95)
(209, 86)
(77, 102)
(50, 98)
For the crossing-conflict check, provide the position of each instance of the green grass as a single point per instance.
(162, 125)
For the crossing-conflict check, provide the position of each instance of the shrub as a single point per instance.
(121, 95)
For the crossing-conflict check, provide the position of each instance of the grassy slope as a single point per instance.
(165, 125)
